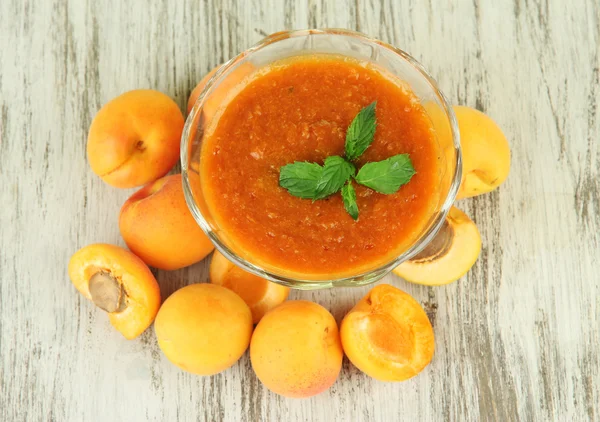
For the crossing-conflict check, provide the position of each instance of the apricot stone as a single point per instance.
(203, 328)
(448, 257)
(157, 226)
(260, 294)
(296, 349)
(485, 152)
(118, 282)
(134, 139)
(387, 335)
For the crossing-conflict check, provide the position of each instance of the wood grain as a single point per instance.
(516, 339)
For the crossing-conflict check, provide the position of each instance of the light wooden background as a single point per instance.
(516, 339)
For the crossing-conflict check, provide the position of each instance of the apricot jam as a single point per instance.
(298, 110)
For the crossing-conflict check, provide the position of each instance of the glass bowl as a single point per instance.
(395, 62)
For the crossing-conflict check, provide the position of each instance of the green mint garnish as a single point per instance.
(336, 171)
(312, 181)
(361, 132)
(349, 197)
(388, 175)
(300, 179)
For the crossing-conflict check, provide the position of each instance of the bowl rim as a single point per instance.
(359, 279)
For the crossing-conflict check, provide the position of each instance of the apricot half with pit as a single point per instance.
(296, 349)
(118, 282)
(260, 294)
(203, 328)
(485, 152)
(157, 226)
(387, 335)
(449, 256)
(134, 139)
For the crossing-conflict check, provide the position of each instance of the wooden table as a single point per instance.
(516, 339)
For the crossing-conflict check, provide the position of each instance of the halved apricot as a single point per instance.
(260, 294)
(449, 256)
(485, 152)
(387, 335)
(296, 350)
(203, 328)
(118, 282)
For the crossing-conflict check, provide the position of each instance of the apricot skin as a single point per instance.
(296, 349)
(198, 89)
(157, 226)
(134, 139)
(222, 92)
(259, 294)
(387, 335)
(141, 289)
(203, 328)
(485, 152)
(451, 265)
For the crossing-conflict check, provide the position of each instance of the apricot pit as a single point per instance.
(107, 293)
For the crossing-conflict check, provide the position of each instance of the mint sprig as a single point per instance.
(349, 198)
(361, 132)
(308, 180)
(336, 172)
(301, 178)
(388, 175)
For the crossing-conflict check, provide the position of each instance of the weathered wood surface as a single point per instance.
(517, 339)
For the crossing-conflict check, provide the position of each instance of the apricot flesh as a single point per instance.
(296, 349)
(387, 335)
(260, 294)
(118, 282)
(448, 257)
(157, 226)
(203, 328)
(134, 139)
(485, 152)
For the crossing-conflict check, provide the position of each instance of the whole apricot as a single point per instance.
(119, 283)
(222, 92)
(485, 152)
(134, 139)
(198, 89)
(157, 226)
(296, 349)
(387, 335)
(260, 295)
(203, 328)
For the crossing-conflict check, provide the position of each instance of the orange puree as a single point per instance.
(299, 109)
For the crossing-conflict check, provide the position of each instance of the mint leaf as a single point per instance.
(388, 175)
(300, 178)
(361, 131)
(336, 171)
(349, 197)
